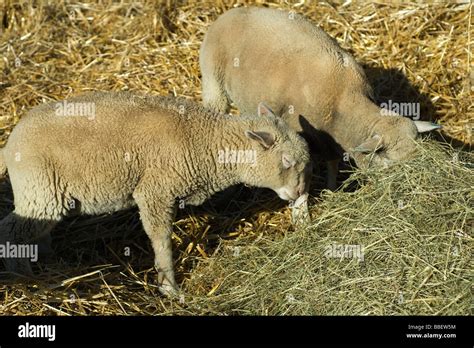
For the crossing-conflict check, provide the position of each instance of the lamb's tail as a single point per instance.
(3, 166)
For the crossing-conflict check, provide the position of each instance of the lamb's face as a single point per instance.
(282, 164)
(293, 176)
(392, 141)
(282, 157)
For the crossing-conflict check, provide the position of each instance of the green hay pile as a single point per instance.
(414, 224)
(412, 52)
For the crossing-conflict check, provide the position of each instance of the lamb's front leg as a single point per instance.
(157, 217)
(299, 211)
(332, 171)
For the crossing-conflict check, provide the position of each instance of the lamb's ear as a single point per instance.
(425, 126)
(369, 146)
(263, 138)
(264, 110)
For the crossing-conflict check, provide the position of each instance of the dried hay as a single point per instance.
(416, 255)
(410, 232)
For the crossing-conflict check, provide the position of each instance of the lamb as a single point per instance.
(145, 151)
(258, 54)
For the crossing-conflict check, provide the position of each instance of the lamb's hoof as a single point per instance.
(169, 290)
(332, 186)
(19, 267)
(300, 212)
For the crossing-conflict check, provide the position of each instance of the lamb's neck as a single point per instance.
(225, 142)
(355, 123)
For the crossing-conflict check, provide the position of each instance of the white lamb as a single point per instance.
(255, 54)
(139, 150)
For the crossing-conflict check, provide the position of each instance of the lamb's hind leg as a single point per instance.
(213, 93)
(19, 233)
(38, 208)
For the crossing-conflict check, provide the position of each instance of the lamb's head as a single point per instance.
(282, 157)
(392, 139)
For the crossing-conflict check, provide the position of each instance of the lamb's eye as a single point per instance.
(287, 161)
(381, 151)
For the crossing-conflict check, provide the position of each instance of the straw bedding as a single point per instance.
(412, 225)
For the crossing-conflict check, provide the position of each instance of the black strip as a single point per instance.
(223, 331)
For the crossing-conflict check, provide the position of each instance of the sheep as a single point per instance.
(258, 54)
(147, 151)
